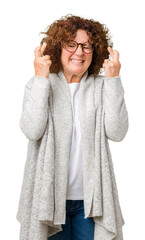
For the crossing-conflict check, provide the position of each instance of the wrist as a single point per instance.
(111, 76)
(42, 76)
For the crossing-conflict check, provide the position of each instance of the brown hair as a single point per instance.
(65, 28)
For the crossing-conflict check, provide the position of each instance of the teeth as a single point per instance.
(76, 61)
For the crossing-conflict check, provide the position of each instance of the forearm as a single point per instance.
(35, 107)
(116, 115)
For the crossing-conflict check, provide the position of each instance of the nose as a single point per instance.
(79, 50)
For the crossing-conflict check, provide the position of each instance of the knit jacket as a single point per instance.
(47, 122)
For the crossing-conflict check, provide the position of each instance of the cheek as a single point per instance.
(65, 55)
(89, 60)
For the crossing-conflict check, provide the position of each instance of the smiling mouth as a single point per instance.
(77, 61)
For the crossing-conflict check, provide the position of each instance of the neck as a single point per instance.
(73, 77)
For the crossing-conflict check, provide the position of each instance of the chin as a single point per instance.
(78, 71)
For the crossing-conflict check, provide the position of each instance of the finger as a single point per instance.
(110, 50)
(106, 60)
(109, 64)
(37, 52)
(48, 62)
(45, 63)
(105, 65)
(43, 48)
(114, 54)
(46, 57)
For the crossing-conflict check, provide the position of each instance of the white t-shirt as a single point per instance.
(75, 171)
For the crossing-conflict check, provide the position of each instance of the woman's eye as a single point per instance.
(71, 45)
(87, 47)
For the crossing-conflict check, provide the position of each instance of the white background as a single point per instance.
(20, 25)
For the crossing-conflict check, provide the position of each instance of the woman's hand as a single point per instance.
(41, 63)
(112, 67)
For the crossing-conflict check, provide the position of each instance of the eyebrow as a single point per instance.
(77, 42)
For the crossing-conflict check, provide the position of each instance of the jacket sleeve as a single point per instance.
(35, 107)
(116, 115)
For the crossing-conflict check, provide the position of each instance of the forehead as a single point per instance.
(81, 36)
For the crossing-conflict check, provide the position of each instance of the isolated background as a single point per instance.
(20, 25)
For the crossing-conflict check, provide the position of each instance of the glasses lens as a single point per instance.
(87, 48)
(71, 46)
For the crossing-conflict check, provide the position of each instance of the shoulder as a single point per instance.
(99, 78)
(99, 81)
(95, 78)
(53, 77)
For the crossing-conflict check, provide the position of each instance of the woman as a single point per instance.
(69, 113)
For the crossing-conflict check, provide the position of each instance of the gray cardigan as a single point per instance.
(46, 121)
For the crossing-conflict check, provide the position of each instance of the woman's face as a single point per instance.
(76, 63)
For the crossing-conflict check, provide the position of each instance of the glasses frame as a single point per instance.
(82, 45)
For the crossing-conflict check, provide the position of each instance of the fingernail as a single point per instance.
(44, 43)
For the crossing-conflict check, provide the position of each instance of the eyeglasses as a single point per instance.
(71, 46)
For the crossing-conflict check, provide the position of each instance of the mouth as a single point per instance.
(76, 61)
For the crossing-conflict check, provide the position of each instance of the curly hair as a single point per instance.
(64, 29)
